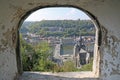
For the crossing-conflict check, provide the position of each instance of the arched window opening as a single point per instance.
(58, 39)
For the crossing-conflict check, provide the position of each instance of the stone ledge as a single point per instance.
(58, 76)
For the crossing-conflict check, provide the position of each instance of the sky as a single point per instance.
(57, 13)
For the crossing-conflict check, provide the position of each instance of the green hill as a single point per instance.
(63, 28)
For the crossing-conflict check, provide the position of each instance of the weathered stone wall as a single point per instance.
(107, 12)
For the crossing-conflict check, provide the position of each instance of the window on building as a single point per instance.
(57, 39)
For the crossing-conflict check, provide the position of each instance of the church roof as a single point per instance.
(83, 51)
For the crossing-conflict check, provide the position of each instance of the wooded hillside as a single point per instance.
(61, 28)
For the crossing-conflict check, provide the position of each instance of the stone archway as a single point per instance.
(95, 71)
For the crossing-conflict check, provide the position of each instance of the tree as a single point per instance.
(28, 55)
(43, 52)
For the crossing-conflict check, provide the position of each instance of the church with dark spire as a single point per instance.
(80, 54)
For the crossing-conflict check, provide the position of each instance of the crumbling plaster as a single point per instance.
(105, 11)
